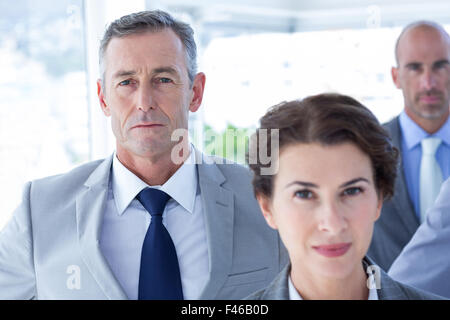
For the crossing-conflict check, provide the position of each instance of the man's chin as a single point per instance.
(432, 111)
(149, 149)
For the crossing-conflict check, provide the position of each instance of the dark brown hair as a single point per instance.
(328, 119)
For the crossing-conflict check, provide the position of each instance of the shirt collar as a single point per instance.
(413, 134)
(126, 185)
(294, 295)
(444, 132)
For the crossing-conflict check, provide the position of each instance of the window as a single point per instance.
(43, 105)
(248, 73)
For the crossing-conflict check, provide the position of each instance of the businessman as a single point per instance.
(155, 220)
(422, 134)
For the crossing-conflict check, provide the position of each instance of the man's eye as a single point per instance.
(124, 83)
(304, 194)
(414, 67)
(165, 80)
(352, 191)
(441, 65)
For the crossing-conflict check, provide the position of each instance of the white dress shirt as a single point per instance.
(126, 221)
(294, 295)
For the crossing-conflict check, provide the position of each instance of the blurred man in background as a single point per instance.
(421, 133)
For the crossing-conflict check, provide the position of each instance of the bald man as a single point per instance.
(421, 133)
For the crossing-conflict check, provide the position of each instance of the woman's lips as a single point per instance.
(332, 250)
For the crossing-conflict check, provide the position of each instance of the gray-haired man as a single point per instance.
(83, 234)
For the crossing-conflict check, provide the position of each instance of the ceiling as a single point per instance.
(235, 16)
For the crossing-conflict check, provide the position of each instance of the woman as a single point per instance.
(336, 166)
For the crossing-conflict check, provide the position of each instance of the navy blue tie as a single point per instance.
(159, 277)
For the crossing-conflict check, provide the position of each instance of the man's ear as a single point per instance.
(265, 204)
(395, 78)
(101, 98)
(198, 88)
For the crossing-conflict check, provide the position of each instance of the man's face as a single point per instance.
(147, 92)
(423, 73)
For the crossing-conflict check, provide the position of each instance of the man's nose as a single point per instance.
(145, 99)
(428, 80)
(332, 219)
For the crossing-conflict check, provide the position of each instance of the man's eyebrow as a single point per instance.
(303, 184)
(413, 64)
(165, 70)
(353, 181)
(127, 73)
(123, 73)
(442, 61)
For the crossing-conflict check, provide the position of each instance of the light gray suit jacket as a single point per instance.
(398, 221)
(50, 249)
(425, 261)
(389, 288)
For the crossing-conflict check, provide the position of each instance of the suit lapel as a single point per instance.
(90, 206)
(218, 204)
(279, 288)
(400, 200)
(390, 290)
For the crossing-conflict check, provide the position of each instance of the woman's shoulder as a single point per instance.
(405, 292)
(390, 289)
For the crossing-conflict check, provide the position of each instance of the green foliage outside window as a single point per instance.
(231, 143)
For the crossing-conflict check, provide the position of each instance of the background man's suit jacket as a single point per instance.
(389, 288)
(398, 221)
(54, 236)
(425, 261)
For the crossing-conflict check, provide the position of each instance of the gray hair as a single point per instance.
(419, 24)
(151, 21)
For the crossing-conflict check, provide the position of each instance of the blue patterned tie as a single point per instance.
(159, 277)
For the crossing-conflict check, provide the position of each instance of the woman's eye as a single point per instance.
(352, 191)
(304, 194)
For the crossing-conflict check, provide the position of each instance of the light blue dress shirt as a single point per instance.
(411, 150)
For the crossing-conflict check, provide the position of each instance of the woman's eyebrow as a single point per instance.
(313, 185)
(353, 181)
(304, 184)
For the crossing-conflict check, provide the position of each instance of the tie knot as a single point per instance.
(153, 200)
(430, 145)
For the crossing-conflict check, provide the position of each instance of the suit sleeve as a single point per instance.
(425, 261)
(17, 276)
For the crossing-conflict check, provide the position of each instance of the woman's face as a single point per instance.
(324, 204)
